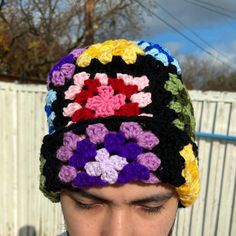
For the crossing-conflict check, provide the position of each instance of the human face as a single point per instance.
(132, 209)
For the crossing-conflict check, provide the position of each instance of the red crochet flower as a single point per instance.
(129, 109)
(92, 85)
(83, 114)
(83, 96)
(103, 96)
(119, 86)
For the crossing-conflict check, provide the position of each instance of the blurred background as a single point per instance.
(35, 34)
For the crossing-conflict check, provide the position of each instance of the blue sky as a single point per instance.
(218, 30)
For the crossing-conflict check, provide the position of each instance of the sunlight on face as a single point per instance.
(132, 209)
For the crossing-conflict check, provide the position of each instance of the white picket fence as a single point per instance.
(24, 211)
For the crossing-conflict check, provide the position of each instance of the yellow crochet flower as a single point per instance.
(106, 50)
(189, 191)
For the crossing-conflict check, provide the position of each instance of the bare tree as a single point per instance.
(34, 34)
(202, 74)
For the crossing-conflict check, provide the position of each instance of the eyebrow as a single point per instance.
(152, 198)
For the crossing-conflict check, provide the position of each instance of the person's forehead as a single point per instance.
(127, 193)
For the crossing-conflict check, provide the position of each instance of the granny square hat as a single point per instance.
(118, 112)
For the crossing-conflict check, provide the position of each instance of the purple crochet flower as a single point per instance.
(77, 52)
(150, 160)
(83, 180)
(105, 166)
(113, 142)
(131, 129)
(97, 132)
(64, 153)
(152, 179)
(147, 140)
(58, 78)
(68, 70)
(85, 151)
(66, 59)
(70, 140)
(67, 173)
(133, 172)
(130, 151)
(56, 67)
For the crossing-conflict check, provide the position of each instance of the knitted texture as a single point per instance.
(119, 112)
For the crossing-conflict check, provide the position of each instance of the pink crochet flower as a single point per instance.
(71, 108)
(150, 160)
(79, 78)
(102, 77)
(67, 173)
(106, 166)
(141, 82)
(125, 77)
(105, 103)
(143, 99)
(72, 91)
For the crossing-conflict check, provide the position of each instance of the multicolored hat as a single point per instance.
(118, 112)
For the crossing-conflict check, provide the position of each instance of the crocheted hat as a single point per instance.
(118, 112)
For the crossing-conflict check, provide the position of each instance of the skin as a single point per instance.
(120, 210)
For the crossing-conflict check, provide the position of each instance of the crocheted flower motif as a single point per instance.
(50, 98)
(115, 143)
(79, 80)
(77, 52)
(143, 99)
(174, 85)
(189, 191)
(133, 172)
(71, 109)
(150, 160)
(106, 102)
(83, 180)
(181, 104)
(159, 53)
(85, 151)
(106, 166)
(131, 129)
(103, 96)
(62, 71)
(50, 120)
(105, 51)
(145, 139)
(102, 156)
(152, 179)
(67, 173)
(97, 133)
(141, 82)
(70, 141)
